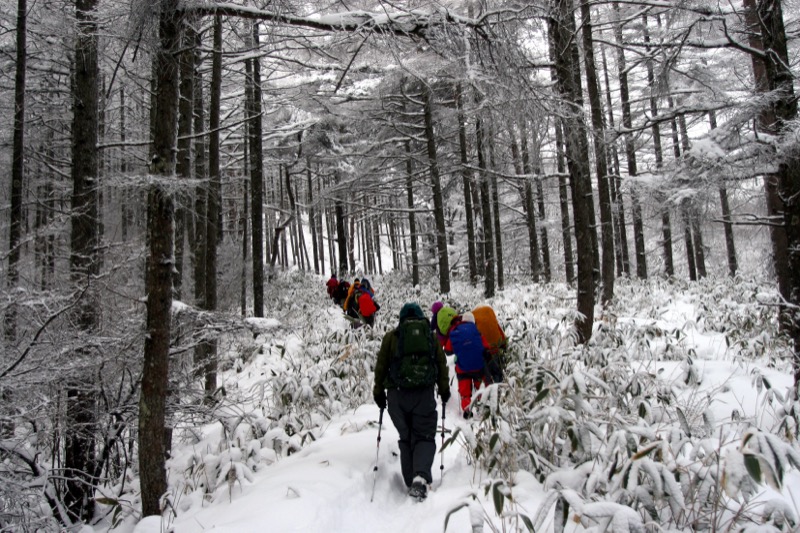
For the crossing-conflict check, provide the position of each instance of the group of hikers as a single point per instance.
(411, 362)
(356, 299)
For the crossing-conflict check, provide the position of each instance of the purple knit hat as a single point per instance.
(436, 306)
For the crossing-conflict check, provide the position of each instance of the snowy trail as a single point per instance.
(327, 487)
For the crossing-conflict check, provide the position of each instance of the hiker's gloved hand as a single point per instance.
(380, 399)
(445, 395)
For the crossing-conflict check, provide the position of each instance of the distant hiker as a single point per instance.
(331, 286)
(340, 294)
(366, 305)
(367, 286)
(465, 341)
(350, 304)
(493, 334)
(441, 337)
(410, 362)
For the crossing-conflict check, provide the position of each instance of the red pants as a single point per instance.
(467, 382)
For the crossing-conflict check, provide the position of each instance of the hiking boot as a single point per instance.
(419, 489)
(467, 414)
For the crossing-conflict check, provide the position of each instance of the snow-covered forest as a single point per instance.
(619, 180)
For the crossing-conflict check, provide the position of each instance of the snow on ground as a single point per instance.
(328, 485)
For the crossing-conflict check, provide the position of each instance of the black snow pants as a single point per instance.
(413, 413)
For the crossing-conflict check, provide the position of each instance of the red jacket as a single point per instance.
(331, 285)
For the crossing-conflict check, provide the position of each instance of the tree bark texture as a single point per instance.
(466, 182)
(601, 163)
(630, 150)
(17, 166)
(438, 202)
(412, 216)
(562, 32)
(486, 212)
(257, 182)
(158, 282)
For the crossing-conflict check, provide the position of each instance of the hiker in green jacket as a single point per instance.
(410, 363)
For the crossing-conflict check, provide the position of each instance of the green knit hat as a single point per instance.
(444, 317)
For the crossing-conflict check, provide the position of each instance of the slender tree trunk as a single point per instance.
(17, 167)
(666, 225)
(498, 235)
(562, 32)
(486, 213)
(730, 243)
(598, 135)
(617, 203)
(438, 202)
(341, 233)
(544, 240)
(213, 212)
(312, 221)
(257, 182)
(245, 239)
(630, 149)
(466, 181)
(158, 283)
(412, 217)
(687, 236)
(184, 158)
(351, 239)
(522, 166)
(563, 198)
(125, 209)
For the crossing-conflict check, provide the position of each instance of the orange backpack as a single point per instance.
(490, 329)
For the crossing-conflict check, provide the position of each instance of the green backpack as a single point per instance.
(414, 364)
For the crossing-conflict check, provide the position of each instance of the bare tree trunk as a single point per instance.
(377, 233)
(536, 161)
(80, 427)
(257, 182)
(438, 202)
(126, 217)
(412, 217)
(466, 182)
(17, 167)
(630, 149)
(666, 225)
(617, 203)
(245, 247)
(598, 127)
(312, 221)
(783, 108)
(522, 166)
(562, 32)
(498, 235)
(730, 243)
(563, 198)
(687, 236)
(341, 233)
(213, 209)
(764, 19)
(184, 160)
(486, 213)
(158, 283)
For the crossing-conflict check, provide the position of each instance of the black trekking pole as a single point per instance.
(375, 478)
(441, 465)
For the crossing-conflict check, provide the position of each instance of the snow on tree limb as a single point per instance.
(405, 23)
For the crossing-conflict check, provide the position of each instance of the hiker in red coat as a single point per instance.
(331, 286)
